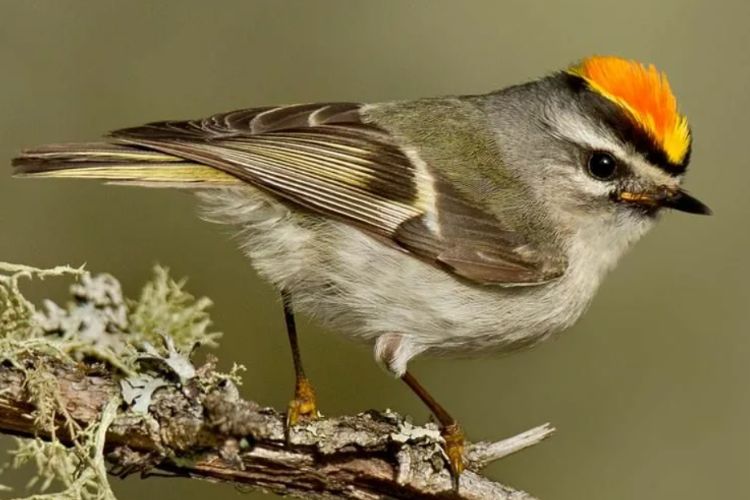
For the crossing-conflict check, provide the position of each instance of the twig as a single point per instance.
(483, 453)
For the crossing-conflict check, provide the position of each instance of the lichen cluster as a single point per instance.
(136, 340)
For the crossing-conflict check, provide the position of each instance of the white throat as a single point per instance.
(598, 243)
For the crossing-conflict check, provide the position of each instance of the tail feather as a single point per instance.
(118, 164)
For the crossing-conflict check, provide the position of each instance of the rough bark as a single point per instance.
(207, 431)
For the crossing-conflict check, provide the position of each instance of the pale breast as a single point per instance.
(365, 288)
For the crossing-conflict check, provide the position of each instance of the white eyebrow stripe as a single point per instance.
(571, 127)
(644, 169)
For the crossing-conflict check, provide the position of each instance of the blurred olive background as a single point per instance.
(648, 391)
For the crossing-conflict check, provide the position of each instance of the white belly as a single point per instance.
(365, 288)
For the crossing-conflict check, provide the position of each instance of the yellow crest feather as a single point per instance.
(644, 92)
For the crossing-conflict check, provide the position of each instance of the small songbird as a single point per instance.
(441, 226)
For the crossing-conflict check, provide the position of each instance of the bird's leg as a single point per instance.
(449, 428)
(303, 406)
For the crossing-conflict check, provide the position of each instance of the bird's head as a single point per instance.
(608, 141)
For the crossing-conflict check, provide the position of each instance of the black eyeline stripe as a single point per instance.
(621, 123)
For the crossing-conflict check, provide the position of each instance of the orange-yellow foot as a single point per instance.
(454, 448)
(303, 406)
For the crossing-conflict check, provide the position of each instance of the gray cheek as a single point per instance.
(573, 194)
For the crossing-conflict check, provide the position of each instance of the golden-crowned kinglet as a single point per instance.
(452, 225)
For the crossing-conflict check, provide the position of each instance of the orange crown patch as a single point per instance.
(645, 93)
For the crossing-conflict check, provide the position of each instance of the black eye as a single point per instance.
(602, 166)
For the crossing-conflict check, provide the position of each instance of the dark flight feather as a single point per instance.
(328, 159)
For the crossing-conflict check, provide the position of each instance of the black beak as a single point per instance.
(676, 199)
(680, 200)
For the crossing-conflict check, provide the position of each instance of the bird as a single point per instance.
(445, 226)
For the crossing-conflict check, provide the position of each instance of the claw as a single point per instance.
(454, 448)
(303, 406)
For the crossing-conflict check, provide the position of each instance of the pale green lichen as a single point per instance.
(233, 376)
(166, 309)
(80, 469)
(16, 313)
(19, 331)
(165, 324)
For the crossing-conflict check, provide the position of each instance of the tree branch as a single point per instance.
(94, 376)
(205, 430)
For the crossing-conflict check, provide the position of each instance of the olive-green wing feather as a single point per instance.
(321, 157)
(330, 160)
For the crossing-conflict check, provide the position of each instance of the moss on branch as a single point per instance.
(106, 385)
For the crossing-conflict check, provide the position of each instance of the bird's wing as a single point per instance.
(328, 159)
